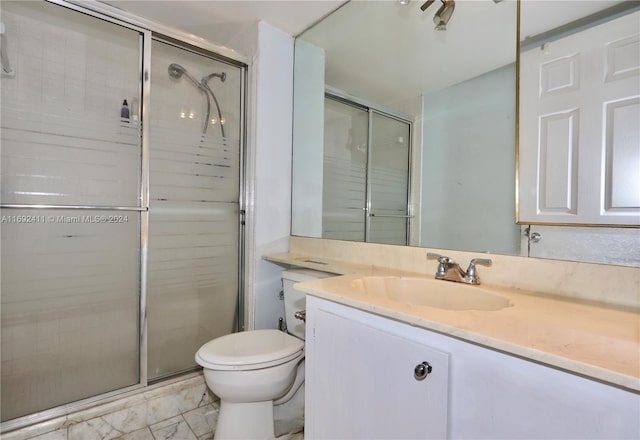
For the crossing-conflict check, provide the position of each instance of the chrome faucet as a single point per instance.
(449, 270)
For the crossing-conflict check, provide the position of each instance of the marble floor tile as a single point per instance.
(175, 428)
(110, 426)
(141, 434)
(202, 420)
(60, 434)
(296, 436)
(39, 429)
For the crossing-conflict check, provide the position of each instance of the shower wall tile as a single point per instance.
(184, 409)
(37, 49)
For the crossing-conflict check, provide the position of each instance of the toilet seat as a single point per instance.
(250, 350)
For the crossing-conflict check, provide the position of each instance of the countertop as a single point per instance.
(592, 340)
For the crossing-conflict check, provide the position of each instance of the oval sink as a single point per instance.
(430, 292)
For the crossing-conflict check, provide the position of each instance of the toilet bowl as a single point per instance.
(250, 371)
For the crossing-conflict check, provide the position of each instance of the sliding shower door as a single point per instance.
(365, 174)
(344, 171)
(71, 202)
(193, 284)
(388, 180)
(120, 209)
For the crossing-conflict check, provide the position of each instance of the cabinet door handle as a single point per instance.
(422, 370)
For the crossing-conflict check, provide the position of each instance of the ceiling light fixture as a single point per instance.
(444, 13)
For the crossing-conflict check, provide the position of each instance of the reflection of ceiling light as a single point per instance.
(444, 14)
(442, 17)
(405, 2)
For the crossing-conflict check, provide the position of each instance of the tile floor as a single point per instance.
(180, 410)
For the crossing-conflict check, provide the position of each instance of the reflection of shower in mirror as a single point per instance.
(4, 57)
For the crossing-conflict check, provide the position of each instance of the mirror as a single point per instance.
(458, 87)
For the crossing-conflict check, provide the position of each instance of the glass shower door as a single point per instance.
(71, 203)
(365, 174)
(344, 171)
(388, 180)
(194, 227)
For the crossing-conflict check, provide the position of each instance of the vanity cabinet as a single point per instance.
(360, 384)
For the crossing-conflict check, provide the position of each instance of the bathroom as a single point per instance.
(154, 395)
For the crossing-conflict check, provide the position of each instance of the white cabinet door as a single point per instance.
(360, 383)
(579, 142)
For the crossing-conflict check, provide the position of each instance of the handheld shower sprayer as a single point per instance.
(205, 84)
(176, 71)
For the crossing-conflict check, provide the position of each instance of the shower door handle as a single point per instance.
(389, 215)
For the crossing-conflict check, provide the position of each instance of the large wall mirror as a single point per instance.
(443, 77)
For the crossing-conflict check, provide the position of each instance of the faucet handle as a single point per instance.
(442, 259)
(471, 271)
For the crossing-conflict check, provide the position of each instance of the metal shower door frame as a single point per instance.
(375, 109)
(368, 208)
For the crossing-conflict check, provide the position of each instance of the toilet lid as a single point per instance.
(249, 350)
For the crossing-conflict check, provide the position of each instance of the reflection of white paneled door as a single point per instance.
(579, 144)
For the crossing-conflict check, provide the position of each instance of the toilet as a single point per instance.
(254, 370)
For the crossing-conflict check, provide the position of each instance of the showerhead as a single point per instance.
(176, 71)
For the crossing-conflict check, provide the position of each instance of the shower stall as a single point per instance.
(121, 209)
(366, 173)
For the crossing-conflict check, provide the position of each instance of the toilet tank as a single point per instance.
(294, 299)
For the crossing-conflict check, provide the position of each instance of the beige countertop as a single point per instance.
(596, 341)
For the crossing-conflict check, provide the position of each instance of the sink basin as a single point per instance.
(430, 292)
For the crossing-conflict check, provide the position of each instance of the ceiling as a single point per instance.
(377, 49)
(230, 23)
(388, 53)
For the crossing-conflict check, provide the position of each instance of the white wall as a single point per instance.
(270, 188)
(308, 137)
(467, 165)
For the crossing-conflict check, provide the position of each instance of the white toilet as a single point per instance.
(250, 370)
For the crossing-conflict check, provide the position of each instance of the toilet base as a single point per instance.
(245, 421)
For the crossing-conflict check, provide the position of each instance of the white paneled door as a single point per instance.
(579, 141)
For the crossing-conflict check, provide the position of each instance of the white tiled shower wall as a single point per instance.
(61, 69)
